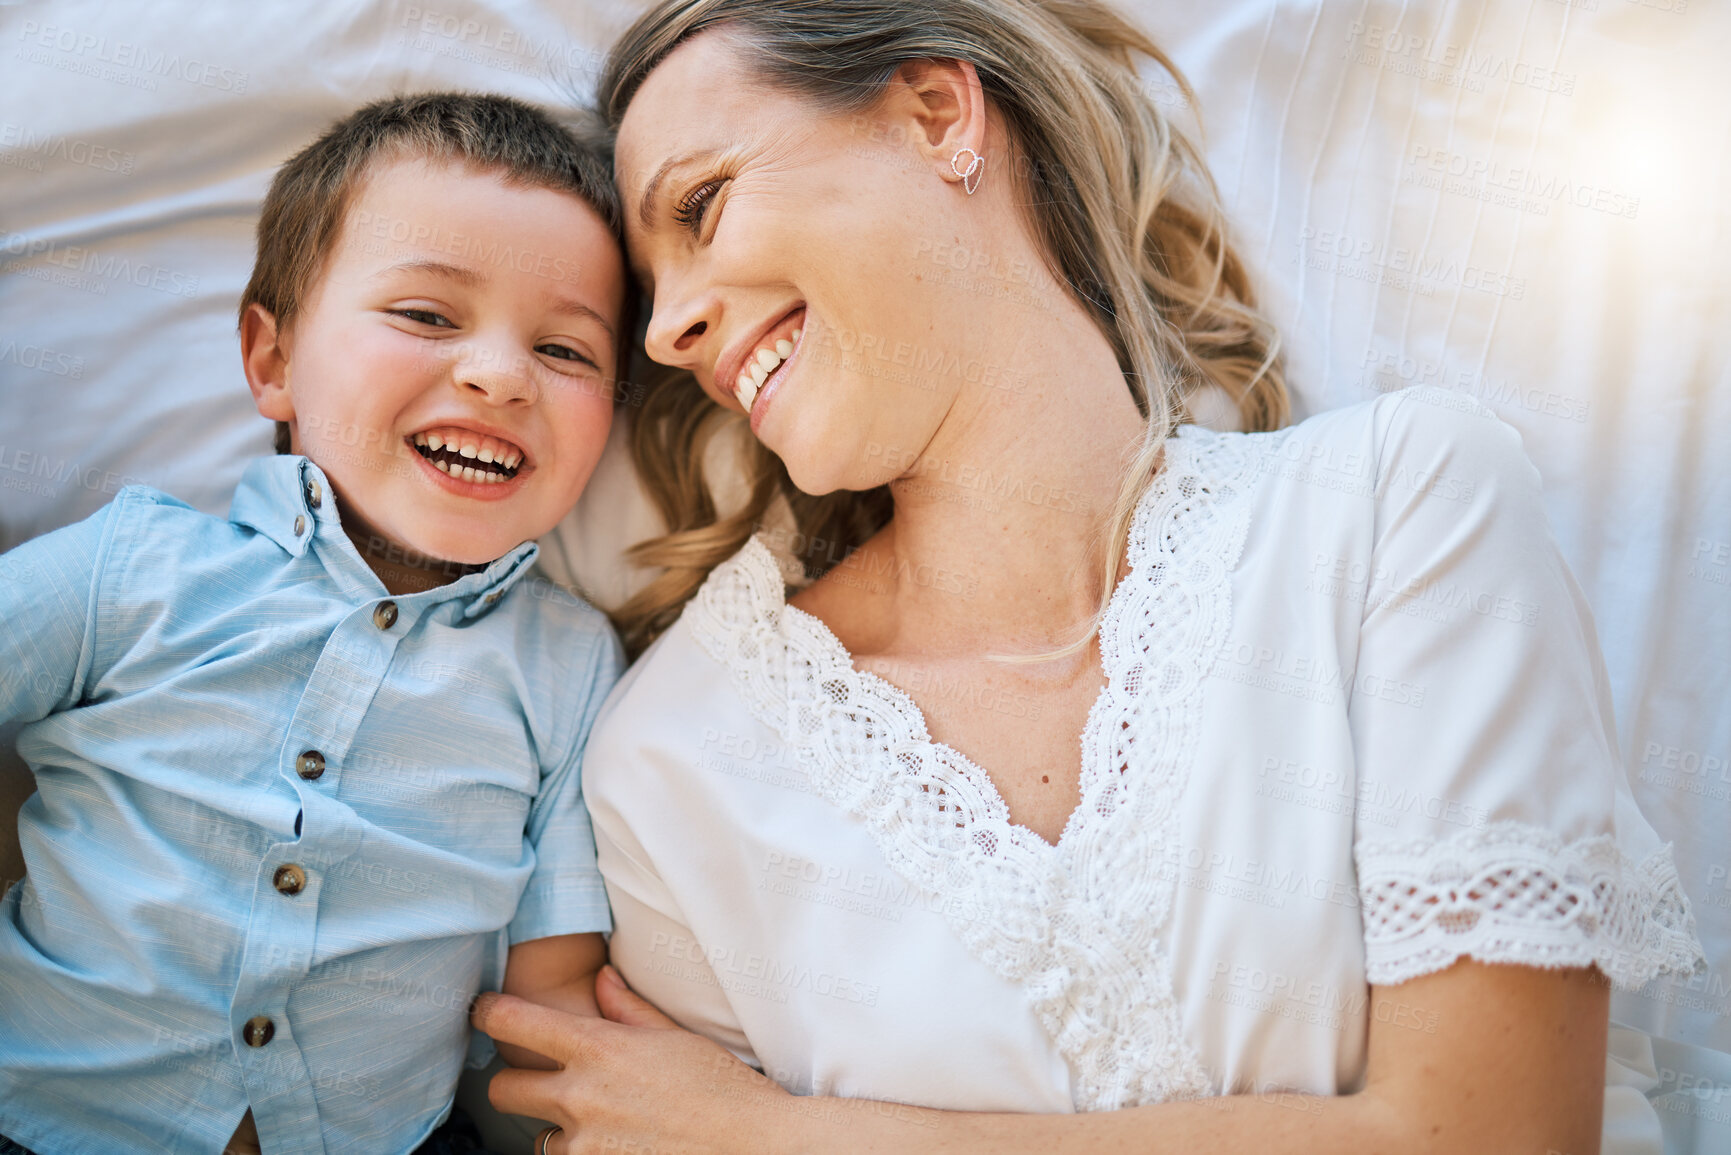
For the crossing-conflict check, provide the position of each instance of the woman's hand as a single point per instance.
(632, 1081)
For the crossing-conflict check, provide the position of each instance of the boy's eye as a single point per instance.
(564, 353)
(694, 205)
(426, 317)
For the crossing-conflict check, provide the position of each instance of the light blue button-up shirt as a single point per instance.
(183, 679)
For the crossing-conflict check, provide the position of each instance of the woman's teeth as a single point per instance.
(762, 363)
(469, 456)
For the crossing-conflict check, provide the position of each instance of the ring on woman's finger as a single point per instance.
(546, 1137)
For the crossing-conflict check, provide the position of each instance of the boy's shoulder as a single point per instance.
(558, 627)
(175, 528)
(137, 509)
(148, 501)
(537, 597)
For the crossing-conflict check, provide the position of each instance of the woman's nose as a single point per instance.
(678, 324)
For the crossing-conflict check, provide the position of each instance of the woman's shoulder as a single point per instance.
(1420, 442)
(684, 679)
(1387, 424)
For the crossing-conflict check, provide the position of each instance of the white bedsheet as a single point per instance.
(1529, 200)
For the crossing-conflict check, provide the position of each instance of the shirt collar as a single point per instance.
(482, 590)
(288, 499)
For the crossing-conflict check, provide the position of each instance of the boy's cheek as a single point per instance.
(349, 445)
(583, 415)
(581, 435)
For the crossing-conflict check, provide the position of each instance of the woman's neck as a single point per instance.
(1001, 522)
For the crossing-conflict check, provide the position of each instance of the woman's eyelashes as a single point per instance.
(692, 208)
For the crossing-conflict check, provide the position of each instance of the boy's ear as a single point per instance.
(265, 360)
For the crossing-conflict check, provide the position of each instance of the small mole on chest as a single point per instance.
(1045, 777)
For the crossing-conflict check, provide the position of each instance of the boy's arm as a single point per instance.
(46, 619)
(558, 972)
(564, 892)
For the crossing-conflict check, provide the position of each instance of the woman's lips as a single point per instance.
(774, 348)
(765, 395)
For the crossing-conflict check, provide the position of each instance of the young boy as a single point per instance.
(303, 774)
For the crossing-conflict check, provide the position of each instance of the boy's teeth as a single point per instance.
(464, 453)
(785, 348)
(758, 373)
(768, 359)
(796, 333)
(747, 392)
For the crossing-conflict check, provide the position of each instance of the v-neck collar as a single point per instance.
(1075, 922)
(978, 777)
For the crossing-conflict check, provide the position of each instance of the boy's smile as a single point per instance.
(452, 369)
(466, 456)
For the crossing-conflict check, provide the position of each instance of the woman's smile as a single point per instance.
(756, 369)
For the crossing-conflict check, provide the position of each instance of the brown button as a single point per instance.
(289, 878)
(385, 615)
(315, 495)
(258, 1031)
(300, 525)
(310, 765)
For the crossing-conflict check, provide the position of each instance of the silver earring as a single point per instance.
(972, 174)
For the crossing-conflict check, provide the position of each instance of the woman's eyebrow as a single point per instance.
(646, 206)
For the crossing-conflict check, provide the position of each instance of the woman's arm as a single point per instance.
(1471, 1059)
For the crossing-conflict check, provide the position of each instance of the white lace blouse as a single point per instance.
(1356, 727)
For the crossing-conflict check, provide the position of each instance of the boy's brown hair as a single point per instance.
(309, 198)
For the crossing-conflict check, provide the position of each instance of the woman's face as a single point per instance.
(823, 248)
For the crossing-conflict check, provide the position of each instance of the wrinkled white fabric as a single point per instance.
(1354, 729)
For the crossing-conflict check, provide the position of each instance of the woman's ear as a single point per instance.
(265, 359)
(945, 108)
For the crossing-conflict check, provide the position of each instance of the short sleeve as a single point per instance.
(565, 894)
(47, 617)
(1494, 821)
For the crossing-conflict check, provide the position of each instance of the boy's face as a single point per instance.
(451, 369)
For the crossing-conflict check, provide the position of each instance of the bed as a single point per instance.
(1528, 201)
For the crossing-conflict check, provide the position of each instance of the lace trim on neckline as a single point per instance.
(1516, 893)
(1076, 924)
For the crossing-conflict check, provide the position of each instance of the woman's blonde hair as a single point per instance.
(1119, 199)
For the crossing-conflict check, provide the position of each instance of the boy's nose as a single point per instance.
(499, 376)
